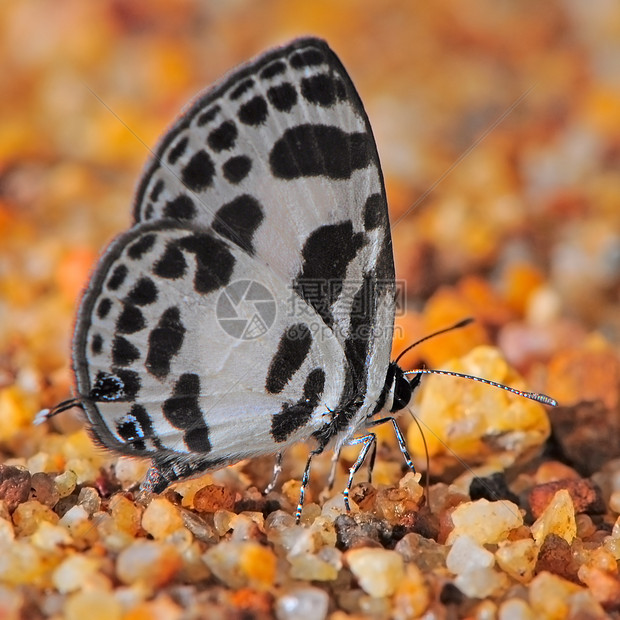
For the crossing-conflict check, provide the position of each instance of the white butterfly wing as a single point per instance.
(272, 177)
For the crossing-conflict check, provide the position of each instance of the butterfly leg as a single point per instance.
(304, 483)
(332, 472)
(399, 437)
(277, 469)
(367, 442)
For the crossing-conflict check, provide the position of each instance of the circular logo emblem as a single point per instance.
(245, 310)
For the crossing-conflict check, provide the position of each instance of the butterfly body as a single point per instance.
(251, 304)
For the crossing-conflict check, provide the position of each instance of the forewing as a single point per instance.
(279, 159)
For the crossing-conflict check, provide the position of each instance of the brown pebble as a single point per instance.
(14, 485)
(587, 435)
(556, 556)
(586, 496)
(43, 489)
(214, 497)
(361, 530)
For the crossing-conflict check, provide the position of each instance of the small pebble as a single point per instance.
(94, 605)
(586, 496)
(89, 499)
(161, 518)
(214, 497)
(14, 485)
(43, 489)
(307, 603)
(481, 582)
(515, 609)
(378, 571)
(242, 564)
(467, 555)
(549, 596)
(412, 596)
(558, 518)
(27, 516)
(518, 558)
(72, 573)
(487, 522)
(65, 483)
(148, 561)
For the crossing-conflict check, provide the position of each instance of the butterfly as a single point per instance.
(251, 304)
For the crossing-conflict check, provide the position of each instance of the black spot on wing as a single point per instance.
(157, 189)
(140, 247)
(123, 352)
(143, 293)
(238, 220)
(177, 150)
(375, 212)
(319, 150)
(237, 168)
(243, 87)
(199, 171)
(130, 381)
(223, 137)
(319, 89)
(214, 261)
(103, 307)
(208, 116)
(282, 97)
(107, 388)
(172, 264)
(293, 417)
(183, 411)
(130, 320)
(136, 426)
(253, 112)
(293, 348)
(181, 208)
(117, 278)
(273, 69)
(327, 253)
(96, 344)
(165, 342)
(306, 58)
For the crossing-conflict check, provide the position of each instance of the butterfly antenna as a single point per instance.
(540, 398)
(458, 325)
(46, 414)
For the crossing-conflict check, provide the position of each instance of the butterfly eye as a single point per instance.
(402, 391)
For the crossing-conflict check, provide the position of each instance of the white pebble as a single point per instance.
(480, 582)
(308, 603)
(486, 522)
(466, 555)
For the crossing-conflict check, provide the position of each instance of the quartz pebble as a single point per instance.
(517, 558)
(161, 518)
(481, 582)
(378, 571)
(242, 564)
(151, 562)
(307, 603)
(65, 483)
(72, 573)
(515, 609)
(94, 605)
(558, 518)
(466, 555)
(487, 522)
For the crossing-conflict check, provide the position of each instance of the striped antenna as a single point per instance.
(540, 398)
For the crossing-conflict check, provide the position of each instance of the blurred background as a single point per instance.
(497, 123)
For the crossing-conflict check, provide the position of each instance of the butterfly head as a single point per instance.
(399, 388)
